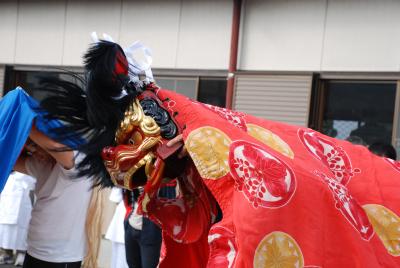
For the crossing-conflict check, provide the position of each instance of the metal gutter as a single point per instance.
(237, 5)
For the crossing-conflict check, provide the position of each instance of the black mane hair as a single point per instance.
(94, 110)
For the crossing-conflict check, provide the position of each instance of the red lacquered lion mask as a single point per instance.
(141, 143)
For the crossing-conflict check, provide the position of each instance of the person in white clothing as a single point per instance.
(56, 236)
(15, 214)
(115, 231)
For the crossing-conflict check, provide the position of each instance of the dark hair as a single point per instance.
(356, 140)
(383, 149)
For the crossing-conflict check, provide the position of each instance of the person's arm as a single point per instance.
(64, 158)
(178, 139)
(20, 164)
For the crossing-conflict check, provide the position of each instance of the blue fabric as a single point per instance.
(17, 113)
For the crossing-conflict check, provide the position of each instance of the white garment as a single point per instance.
(57, 227)
(118, 257)
(136, 220)
(15, 211)
(116, 232)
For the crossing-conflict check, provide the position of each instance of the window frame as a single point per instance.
(319, 95)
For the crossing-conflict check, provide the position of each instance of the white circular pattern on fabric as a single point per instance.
(265, 180)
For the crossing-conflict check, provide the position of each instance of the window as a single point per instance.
(360, 111)
(211, 90)
(183, 85)
(30, 80)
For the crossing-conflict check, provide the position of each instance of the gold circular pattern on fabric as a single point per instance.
(277, 250)
(271, 139)
(387, 226)
(209, 149)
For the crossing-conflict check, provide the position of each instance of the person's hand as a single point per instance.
(30, 146)
(178, 139)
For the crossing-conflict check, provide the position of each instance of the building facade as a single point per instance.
(333, 65)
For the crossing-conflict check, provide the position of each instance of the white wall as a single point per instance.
(156, 24)
(205, 31)
(277, 35)
(321, 35)
(84, 17)
(362, 35)
(181, 33)
(282, 35)
(8, 26)
(40, 32)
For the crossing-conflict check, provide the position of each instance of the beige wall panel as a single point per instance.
(282, 35)
(155, 23)
(362, 35)
(40, 32)
(84, 17)
(8, 26)
(205, 32)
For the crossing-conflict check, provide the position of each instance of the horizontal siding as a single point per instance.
(282, 98)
